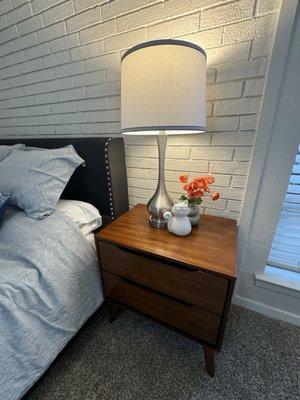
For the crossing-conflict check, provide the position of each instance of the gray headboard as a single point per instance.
(103, 182)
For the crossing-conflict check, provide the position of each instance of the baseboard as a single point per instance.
(270, 312)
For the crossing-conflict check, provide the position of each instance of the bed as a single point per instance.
(49, 279)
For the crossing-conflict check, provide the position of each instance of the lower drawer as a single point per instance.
(190, 319)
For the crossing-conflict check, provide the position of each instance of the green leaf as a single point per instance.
(198, 201)
(183, 197)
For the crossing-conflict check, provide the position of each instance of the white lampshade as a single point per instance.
(163, 88)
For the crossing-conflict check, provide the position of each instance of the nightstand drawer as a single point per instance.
(192, 286)
(190, 319)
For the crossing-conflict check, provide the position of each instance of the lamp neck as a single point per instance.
(161, 143)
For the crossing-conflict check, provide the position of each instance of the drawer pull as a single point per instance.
(151, 257)
(128, 281)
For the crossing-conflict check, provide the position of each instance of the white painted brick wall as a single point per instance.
(60, 75)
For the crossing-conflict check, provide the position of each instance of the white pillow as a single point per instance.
(86, 216)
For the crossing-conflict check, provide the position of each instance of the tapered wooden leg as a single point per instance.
(209, 354)
(114, 312)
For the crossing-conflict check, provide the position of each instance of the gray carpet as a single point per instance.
(138, 359)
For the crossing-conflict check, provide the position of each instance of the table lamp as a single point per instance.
(163, 93)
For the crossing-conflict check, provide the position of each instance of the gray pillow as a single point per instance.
(6, 150)
(37, 182)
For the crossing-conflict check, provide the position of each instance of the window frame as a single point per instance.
(273, 152)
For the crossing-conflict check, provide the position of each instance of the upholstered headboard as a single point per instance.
(103, 181)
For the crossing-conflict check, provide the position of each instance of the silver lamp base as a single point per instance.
(160, 201)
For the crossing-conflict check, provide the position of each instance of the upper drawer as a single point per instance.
(192, 286)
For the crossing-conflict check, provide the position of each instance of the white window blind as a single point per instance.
(285, 249)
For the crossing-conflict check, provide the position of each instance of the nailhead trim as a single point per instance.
(111, 202)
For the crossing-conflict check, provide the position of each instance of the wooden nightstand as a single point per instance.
(184, 282)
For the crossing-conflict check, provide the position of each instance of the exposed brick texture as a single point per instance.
(60, 75)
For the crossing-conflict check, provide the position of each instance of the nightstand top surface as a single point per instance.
(211, 246)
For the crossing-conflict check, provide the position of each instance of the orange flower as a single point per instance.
(209, 179)
(215, 196)
(201, 180)
(198, 187)
(192, 194)
(200, 193)
(195, 192)
(183, 178)
(195, 185)
(202, 183)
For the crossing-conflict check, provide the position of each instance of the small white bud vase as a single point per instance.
(178, 221)
(194, 214)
